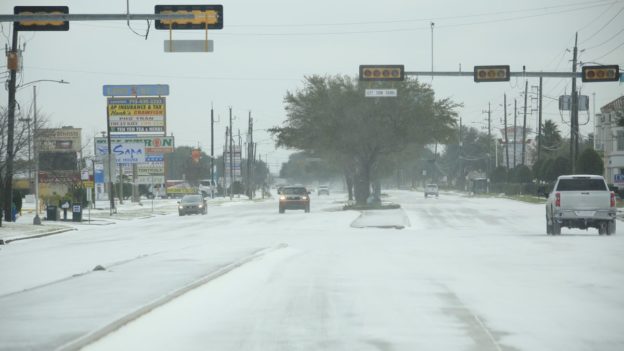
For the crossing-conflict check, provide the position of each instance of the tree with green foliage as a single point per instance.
(590, 162)
(331, 118)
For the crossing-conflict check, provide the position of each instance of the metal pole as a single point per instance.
(526, 91)
(111, 188)
(37, 219)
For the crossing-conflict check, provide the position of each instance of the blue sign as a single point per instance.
(618, 178)
(136, 90)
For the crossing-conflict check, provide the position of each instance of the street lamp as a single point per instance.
(37, 219)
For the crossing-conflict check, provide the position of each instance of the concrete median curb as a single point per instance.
(95, 335)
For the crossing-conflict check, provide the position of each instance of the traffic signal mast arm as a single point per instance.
(96, 17)
(511, 74)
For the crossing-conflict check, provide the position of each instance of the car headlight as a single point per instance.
(282, 197)
(304, 197)
(181, 207)
(201, 206)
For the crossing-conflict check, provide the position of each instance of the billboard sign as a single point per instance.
(137, 115)
(154, 145)
(59, 139)
(136, 90)
(125, 153)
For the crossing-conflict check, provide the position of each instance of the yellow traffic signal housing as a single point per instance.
(610, 73)
(382, 72)
(500, 73)
(206, 16)
(49, 25)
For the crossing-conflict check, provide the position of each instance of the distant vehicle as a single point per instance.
(294, 198)
(207, 187)
(322, 189)
(581, 201)
(431, 190)
(192, 204)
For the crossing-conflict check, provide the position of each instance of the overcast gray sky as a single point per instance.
(267, 47)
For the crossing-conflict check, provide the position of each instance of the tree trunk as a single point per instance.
(349, 180)
(362, 183)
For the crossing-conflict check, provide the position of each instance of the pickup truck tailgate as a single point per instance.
(585, 200)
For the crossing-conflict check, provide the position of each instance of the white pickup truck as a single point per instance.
(581, 201)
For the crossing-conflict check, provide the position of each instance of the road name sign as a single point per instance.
(381, 93)
(189, 46)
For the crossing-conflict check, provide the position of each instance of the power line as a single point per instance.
(606, 41)
(596, 19)
(604, 26)
(615, 48)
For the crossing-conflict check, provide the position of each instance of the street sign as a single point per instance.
(618, 178)
(206, 17)
(381, 93)
(136, 90)
(189, 46)
(565, 102)
(88, 184)
(27, 26)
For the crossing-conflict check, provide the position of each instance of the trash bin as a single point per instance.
(51, 213)
(76, 213)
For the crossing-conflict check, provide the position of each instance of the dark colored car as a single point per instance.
(192, 204)
(294, 198)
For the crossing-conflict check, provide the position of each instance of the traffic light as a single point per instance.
(47, 25)
(491, 73)
(206, 16)
(382, 72)
(610, 73)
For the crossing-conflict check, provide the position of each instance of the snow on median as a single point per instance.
(395, 218)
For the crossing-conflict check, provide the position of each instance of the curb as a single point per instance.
(6, 241)
(95, 335)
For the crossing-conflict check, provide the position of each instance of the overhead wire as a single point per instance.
(603, 27)
(606, 41)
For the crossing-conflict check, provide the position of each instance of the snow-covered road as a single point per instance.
(468, 274)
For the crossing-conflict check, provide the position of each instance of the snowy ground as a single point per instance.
(467, 274)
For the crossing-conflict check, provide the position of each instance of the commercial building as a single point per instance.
(609, 140)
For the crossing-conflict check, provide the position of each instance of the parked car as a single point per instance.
(431, 190)
(192, 204)
(322, 189)
(581, 201)
(294, 198)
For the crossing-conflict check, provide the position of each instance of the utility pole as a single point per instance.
(515, 131)
(526, 92)
(539, 122)
(212, 180)
(231, 141)
(8, 186)
(36, 220)
(574, 112)
(506, 139)
(461, 171)
(489, 161)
